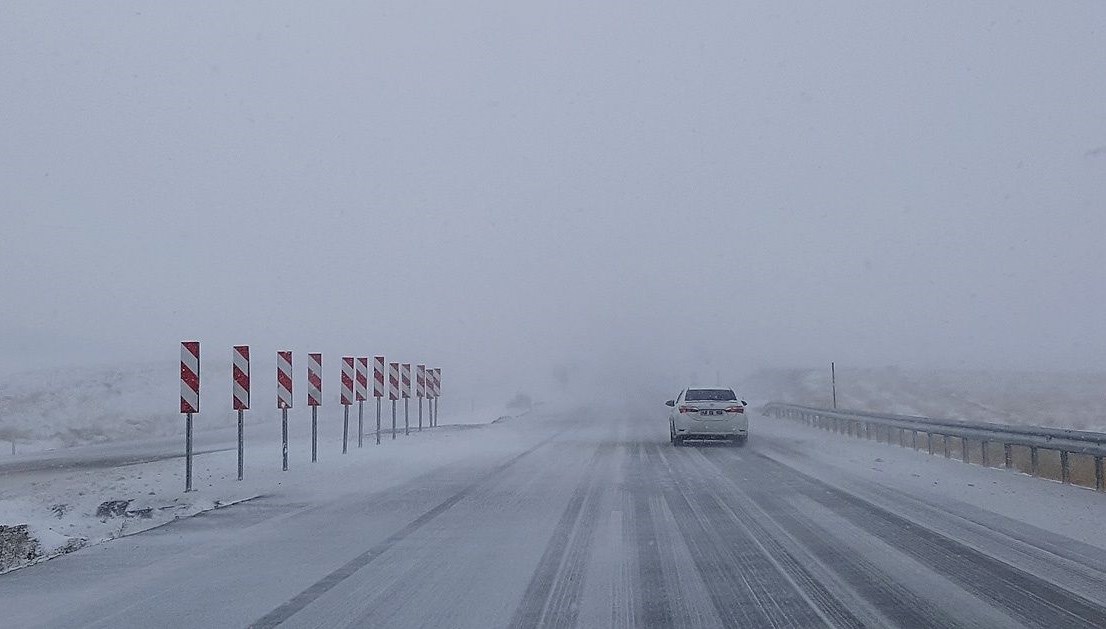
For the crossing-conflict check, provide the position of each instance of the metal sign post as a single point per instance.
(189, 399)
(362, 394)
(429, 385)
(405, 391)
(347, 398)
(378, 390)
(393, 392)
(420, 388)
(833, 383)
(284, 399)
(240, 373)
(430, 396)
(314, 399)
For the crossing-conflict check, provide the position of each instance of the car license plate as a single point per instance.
(710, 412)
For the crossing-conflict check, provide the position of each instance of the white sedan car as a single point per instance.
(708, 413)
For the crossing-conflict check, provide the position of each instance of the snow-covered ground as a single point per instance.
(68, 407)
(60, 408)
(70, 507)
(1068, 400)
(119, 484)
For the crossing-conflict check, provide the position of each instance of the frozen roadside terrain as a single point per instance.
(62, 408)
(591, 518)
(68, 502)
(1064, 400)
(56, 500)
(57, 408)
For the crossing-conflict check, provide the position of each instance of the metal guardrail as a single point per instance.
(1035, 439)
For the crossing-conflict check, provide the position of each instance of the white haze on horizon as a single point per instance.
(635, 193)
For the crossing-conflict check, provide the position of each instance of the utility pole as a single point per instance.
(833, 383)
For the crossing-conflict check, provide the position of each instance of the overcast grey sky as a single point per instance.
(501, 187)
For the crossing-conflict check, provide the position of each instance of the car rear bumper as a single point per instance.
(711, 429)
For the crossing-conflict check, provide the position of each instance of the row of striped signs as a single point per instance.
(355, 379)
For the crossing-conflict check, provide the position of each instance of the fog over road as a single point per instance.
(582, 519)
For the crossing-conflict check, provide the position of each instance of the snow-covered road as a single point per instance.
(594, 520)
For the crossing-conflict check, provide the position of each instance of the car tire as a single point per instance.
(739, 441)
(671, 433)
(678, 441)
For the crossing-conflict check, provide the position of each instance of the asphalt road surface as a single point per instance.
(580, 521)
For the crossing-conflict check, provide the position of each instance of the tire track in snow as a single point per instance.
(1034, 601)
(651, 606)
(896, 603)
(691, 605)
(788, 556)
(320, 587)
(552, 596)
(1027, 597)
(744, 585)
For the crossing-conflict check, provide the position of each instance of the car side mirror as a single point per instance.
(670, 403)
(744, 403)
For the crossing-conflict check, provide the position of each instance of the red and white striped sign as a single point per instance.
(347, 380)
(437, 383)
(240, 372)
(429, 383)
(315, 379)
(284, 379)
(393, 381)
(190, 377)
(405, 380)
(361, 386)
(378, 376)
(420, 381)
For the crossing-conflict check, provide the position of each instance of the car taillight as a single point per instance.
(735, 409)
(688, 409)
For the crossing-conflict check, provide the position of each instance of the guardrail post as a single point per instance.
(1034, 461)
(929, 442)
(1007, 456)
(1065, 468)
(902, 438)
(945, 442)
(964, 450)
(914, 439)
(867, 431)
(983, 450)
(1098, 480)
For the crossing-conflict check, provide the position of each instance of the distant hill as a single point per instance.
(75, 406)
(1068, 400)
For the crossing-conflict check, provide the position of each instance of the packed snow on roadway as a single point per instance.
(97, 450)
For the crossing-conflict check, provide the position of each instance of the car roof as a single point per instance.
(710, 388)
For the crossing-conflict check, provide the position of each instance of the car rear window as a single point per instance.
(710, 395)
